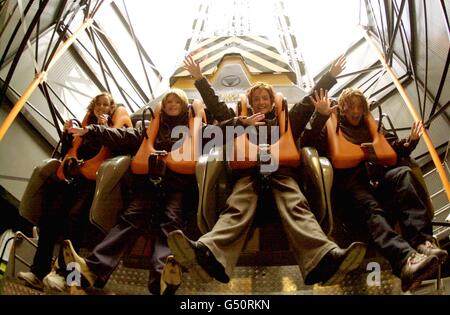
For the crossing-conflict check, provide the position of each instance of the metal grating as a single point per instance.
(281, 280)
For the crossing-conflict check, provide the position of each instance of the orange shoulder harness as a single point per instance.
(181, 160)
(283, 152)
(345, 154)
(89, 168)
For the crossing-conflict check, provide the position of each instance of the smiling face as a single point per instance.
(261, 101)
(261, 97)
(174, 102)
(173, 105)
(102, 105)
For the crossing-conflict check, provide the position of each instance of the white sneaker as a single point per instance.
(31, 280)
(54, 282)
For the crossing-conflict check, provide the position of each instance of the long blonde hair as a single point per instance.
(180, 94)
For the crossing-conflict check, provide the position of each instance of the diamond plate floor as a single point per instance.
(247, 280)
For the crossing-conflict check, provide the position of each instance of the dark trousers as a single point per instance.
(65, 215)
(143, 215)
(395, 199)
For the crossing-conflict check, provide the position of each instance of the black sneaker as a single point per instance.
(335, 265)
(196, 258)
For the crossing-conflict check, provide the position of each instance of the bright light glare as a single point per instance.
(323, 28)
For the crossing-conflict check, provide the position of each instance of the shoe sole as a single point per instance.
(185, 256)
(48, 286)
(351, 262)
(171, 277)
(428, 272)
(31, 284)
(71, 256)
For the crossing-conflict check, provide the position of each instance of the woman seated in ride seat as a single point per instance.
(215, 254)
(380, 195)
(156, 210)
(66, 203)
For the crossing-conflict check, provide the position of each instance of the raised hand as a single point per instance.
(78, 132)
(102, 119)
(416, 132)
(338, 66)
(67, 124)
(253, 120)
(192, 67)
(322, 103)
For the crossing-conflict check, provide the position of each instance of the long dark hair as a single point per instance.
(90, 109)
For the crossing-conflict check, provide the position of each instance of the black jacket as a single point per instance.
(120, 141)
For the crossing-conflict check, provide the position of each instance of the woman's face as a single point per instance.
(102, 106)
(261, 102)
(354, 112)
(173, 105)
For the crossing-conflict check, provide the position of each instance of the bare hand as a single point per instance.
(338, 66)
(416, 132)
(193, 67)
(67, 124)
(78, 132)
(322, 103)
(102, 119)
(253, 120)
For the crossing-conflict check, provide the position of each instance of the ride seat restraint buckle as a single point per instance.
(156, 166)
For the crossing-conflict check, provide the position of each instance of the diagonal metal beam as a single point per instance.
(60, 100)
(8, 19)
(411, 51)
(120, 63)
(55, 114)
(91, 73)
(438, 113)
(360, 71)
(91, 36)
(37, 111)
(13, 35)
(372, 13)
(116, 82)
(441, 86)
(39, 78)
(60, 39)
(394, 34)
(133, 35)
(413, 112)
(86, 67)
(56, 27)
(142, 49)
(20, 50)
(446, 20)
